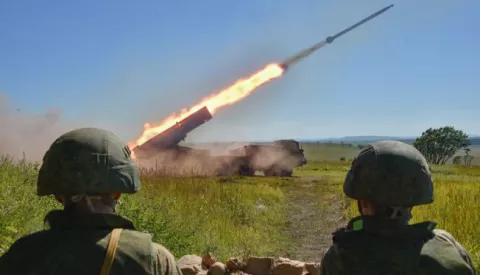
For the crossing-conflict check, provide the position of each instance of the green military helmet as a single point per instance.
(87, 161)
(390, 173)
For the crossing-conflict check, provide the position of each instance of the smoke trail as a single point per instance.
(26, 134)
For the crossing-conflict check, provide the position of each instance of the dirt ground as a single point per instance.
(315, 211)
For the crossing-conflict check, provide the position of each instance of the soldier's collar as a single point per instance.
(374, 223)
(60, 219)
(385, 228)
(355, 223)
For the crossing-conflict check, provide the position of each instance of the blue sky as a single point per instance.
(119, 64)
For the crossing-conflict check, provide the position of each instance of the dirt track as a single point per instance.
(315, 212)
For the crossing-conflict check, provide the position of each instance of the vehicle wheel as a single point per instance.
(246, 171)
(221, 173)
(286, 173)
(271, 173)
(224, 170)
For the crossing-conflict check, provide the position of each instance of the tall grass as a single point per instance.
(187, 215)
(234, 216)
(21, 211)
(195, 215)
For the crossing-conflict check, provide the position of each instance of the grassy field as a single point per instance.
(335, 151)
(249, 216)
(189, 215)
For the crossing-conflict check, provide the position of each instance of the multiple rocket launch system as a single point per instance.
(171, 137)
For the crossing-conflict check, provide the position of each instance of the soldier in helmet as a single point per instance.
(86, 170)
(387, 179)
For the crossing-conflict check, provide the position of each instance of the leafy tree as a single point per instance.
(457, 160)
(439, 145)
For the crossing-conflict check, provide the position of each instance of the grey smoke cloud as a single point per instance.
(27, 134)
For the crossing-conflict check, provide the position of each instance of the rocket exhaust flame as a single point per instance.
(234, 93)
(242, 88)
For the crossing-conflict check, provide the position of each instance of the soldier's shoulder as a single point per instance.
(445, 249)
(29, 241)
(444, 235)
(163, 253)
(133, 233)
(330, 251)
(330, 263)
(448, 239)
(136, 238)
(26, 247)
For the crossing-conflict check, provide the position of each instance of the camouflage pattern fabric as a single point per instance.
(76, 245)
(380, 247)
(87, 161)
(390, 173)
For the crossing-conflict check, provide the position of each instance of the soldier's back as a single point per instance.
(416, 249)
(83, 251)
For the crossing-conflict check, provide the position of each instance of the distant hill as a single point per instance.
(359, 139)
(475, 140)
(355, 140)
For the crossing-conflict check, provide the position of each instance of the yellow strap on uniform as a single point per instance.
(111, 248)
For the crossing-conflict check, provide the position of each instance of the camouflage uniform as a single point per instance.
(395, 176)
(84, 163)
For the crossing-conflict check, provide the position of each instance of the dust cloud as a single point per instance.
(218, 159)
(179, 161)
(26, 135)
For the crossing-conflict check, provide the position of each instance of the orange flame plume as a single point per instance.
(232, 94)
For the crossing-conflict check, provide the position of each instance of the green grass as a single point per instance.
(239, 216)
(329, 152)
(21, 211)
(196, 215)
(187, 215)
(334, 151)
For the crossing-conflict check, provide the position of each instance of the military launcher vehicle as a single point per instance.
(276, 159)
(164, 148)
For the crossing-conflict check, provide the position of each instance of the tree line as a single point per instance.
(440, 144)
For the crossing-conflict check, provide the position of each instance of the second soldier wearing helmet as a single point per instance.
(387, 179)
(87, 170)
